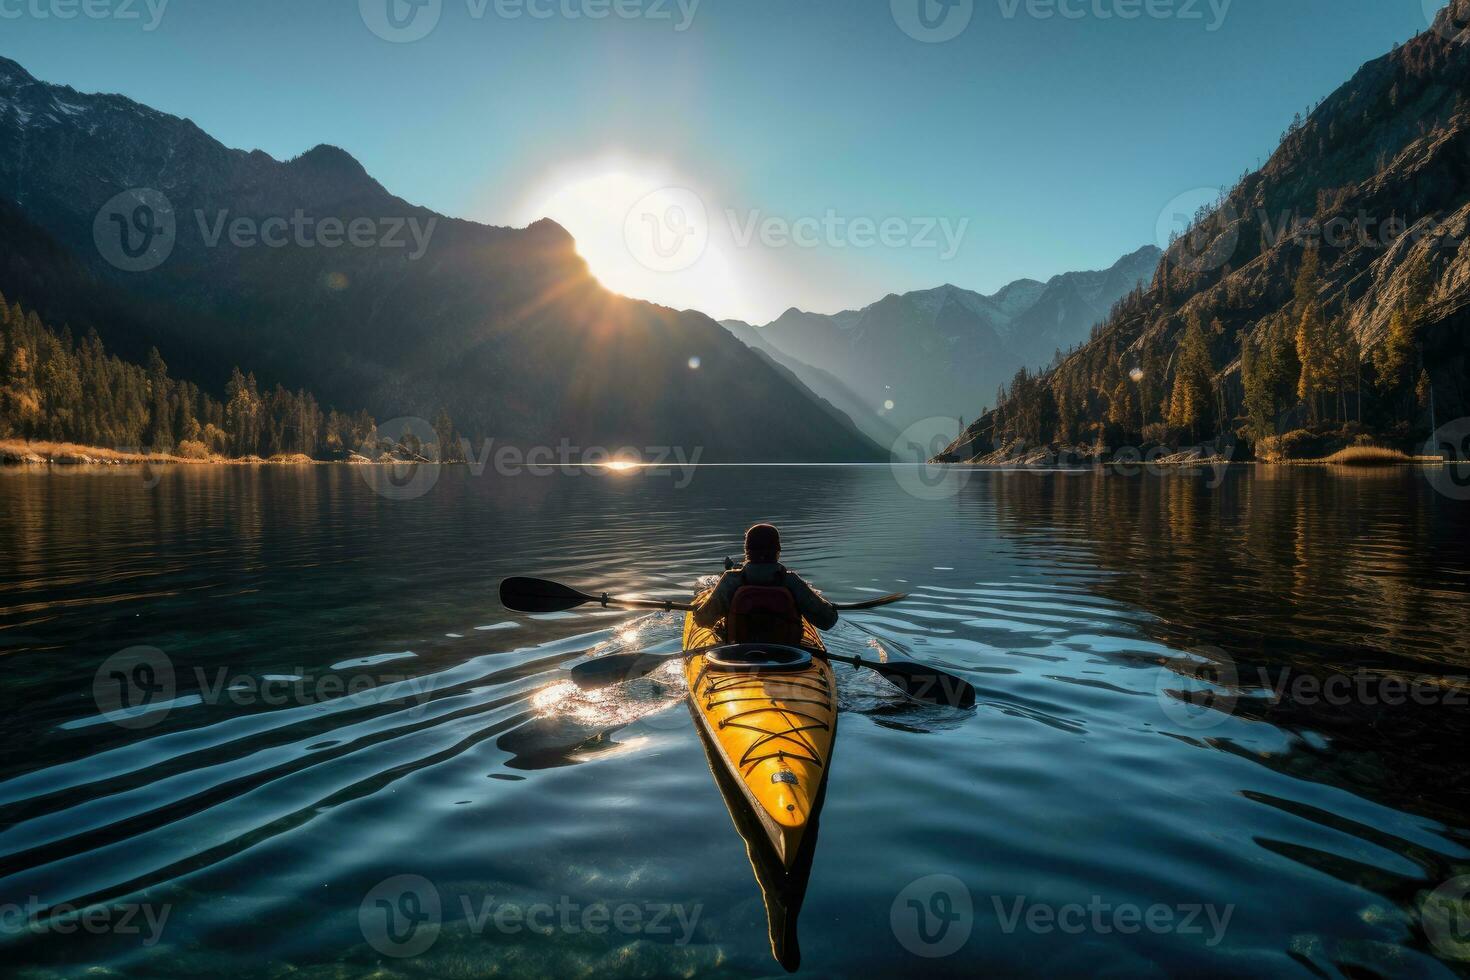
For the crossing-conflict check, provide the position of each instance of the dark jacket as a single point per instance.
(818, 611)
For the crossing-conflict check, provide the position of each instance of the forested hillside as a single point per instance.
(55, 388)
(1324, 300)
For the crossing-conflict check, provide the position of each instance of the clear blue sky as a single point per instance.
(1059, 139)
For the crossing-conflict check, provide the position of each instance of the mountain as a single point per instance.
(135, 223)
(943, 351)
(1325, 300)
(824, 384)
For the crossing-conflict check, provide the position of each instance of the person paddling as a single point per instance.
(761, 601)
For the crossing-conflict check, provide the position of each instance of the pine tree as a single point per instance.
(448, 445)
(160, 419)
(1391, 358)
(1190, 401)
(1311, 352)
(1308, 284)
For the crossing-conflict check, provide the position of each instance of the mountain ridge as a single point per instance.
(501, 326)
(932, 351)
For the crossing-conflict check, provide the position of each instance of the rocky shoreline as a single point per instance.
(1224, 451)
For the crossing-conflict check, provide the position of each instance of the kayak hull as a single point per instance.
(771, 733)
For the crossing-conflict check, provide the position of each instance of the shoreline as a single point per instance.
(25, 453)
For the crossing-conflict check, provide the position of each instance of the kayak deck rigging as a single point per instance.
(715, 691)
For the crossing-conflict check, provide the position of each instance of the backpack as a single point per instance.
(764, 614)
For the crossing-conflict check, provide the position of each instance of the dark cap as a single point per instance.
(763, 543)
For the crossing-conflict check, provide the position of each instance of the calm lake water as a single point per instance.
(1222, 726)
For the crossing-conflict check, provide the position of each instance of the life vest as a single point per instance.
(764, 614)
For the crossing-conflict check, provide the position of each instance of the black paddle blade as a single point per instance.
(887, 600)
(534, 595)
(618, 667)
(927, 684)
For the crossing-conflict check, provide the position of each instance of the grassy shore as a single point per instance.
(27, 452)
(1369, 456)
(1366, 457)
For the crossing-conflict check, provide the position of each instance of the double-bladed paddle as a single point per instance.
(918, 681)
(535, 595)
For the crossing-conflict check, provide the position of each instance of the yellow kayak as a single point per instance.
(771, 723)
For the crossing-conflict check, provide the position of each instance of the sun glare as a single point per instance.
(646, 236)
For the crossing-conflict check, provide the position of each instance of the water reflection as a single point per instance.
(1103, 760)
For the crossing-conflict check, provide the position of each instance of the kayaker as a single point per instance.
(761, 601)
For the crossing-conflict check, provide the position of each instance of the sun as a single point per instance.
(647, 235)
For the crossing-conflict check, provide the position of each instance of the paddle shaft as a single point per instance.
(606, 600)
(918, 681)
(540, 596)
(665, 605)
